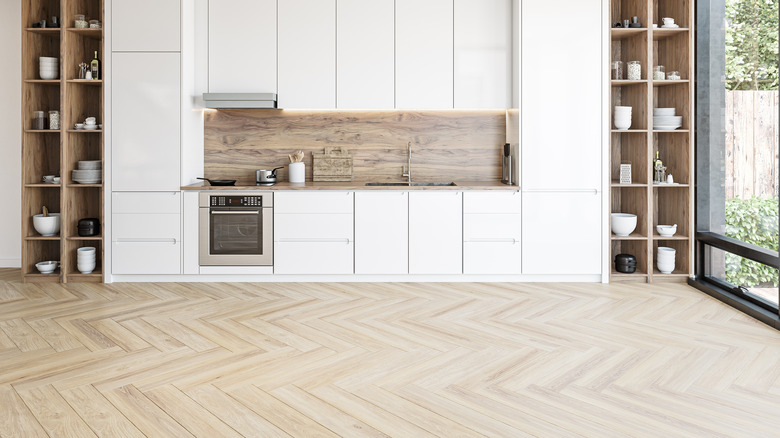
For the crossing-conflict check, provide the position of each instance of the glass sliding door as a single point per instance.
(737, 162)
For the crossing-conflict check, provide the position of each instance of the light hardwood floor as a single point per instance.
(365, 360)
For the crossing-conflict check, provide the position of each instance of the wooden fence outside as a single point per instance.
(751, 144)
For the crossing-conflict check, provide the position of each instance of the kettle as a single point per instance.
(267, 177)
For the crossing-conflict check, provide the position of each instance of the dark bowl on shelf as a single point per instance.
(625, 263)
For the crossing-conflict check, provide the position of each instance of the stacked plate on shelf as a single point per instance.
(665, 119)
(89, 172)
(49, 68)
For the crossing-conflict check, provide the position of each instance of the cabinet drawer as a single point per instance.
(492, 226)
(492, 257)
(146, 202)
(313, 226)
(146, 226)
(313, 257)
(147, 258)
(313, 202)
(492, 202)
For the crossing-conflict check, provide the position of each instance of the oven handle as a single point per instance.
(237, 212)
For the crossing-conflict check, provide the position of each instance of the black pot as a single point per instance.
(625, 263)
(89, 227)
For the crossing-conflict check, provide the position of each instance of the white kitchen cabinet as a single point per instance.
(435, 232)
(562, 232)
(146, 119)
(381, 232)
(562, 124)
(492, 232)
(313, 233)
(365, 54)
(146, 233)
(145, 25)
(307, 54)
(189, 237)
(242, 46)
(424, 54)
(483, 53)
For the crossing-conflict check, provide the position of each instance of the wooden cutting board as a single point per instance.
(334, 164)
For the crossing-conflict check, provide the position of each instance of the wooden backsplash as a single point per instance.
(446, 145)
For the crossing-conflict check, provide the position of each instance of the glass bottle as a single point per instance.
(94, 67)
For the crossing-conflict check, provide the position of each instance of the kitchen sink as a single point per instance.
(411, 184)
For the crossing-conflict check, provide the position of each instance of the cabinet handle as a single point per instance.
(237, 212)
(171, 241)
(314, 240)
(498, 240)
(594, 191)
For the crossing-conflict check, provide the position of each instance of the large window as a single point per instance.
(737, 127)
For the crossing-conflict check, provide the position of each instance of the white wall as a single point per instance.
(10, 133)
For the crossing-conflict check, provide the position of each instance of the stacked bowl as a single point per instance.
(86, 257)
(49, 68)
(664, 119)
(665, 259)
(89, 172)
(622, 117)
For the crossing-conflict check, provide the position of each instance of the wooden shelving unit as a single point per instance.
(654, 204)
(57, 152)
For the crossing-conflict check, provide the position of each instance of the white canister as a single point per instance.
(297, 172)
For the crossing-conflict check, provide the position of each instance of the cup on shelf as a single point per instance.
(48, 179)
(622, 117)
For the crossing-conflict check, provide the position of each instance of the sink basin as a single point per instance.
(413, 184)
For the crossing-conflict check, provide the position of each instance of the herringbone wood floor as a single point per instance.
(363, 360)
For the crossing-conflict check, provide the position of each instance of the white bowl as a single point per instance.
(87, 256)
(622, 124)
(90, 165)
(47, 267)
(47, 226)
(48, 76)
(623, 224)
(666, 230)
(86, 250)
(664, 111)
(79, 126)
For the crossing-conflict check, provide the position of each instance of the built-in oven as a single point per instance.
(236, 228)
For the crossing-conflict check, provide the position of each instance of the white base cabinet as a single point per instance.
(146, 233)
(562, 232)
(382, 232)
(313, 233)
(492, 228)
(435, 232)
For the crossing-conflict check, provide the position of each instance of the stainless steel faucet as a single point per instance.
(407, 170)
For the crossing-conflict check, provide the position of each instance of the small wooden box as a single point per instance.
(335, 164)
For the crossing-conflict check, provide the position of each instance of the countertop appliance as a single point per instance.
(235, 228)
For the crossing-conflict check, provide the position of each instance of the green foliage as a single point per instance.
(754, 221)
(751, 44)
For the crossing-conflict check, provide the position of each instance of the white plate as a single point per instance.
(666, 128)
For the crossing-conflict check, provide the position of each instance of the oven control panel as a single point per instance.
(236, 201)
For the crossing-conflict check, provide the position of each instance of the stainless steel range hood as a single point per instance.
(240, 100)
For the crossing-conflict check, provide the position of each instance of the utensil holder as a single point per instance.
(297, 172)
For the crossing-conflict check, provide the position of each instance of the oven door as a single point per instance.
(236, 236)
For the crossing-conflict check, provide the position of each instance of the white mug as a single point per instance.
(48, 178)
(668, 20)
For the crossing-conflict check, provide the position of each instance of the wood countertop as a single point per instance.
(355, 185)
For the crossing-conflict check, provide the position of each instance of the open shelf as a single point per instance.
(661, 33)
(57, 152)
(636, 248)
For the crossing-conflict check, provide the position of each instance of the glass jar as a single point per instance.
(94, 24)
(39, 120)
(80, 21)
(54, 120)
(673, 75)
(658, 73)
(634, 71)
(617, 70)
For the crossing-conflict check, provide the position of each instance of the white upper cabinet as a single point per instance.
(365, 54)
(242, 46)
(435, 232)
(483, 55)
(423, 54)
(145, 25)
(561, 94)
(307, 54)
(146, 118)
